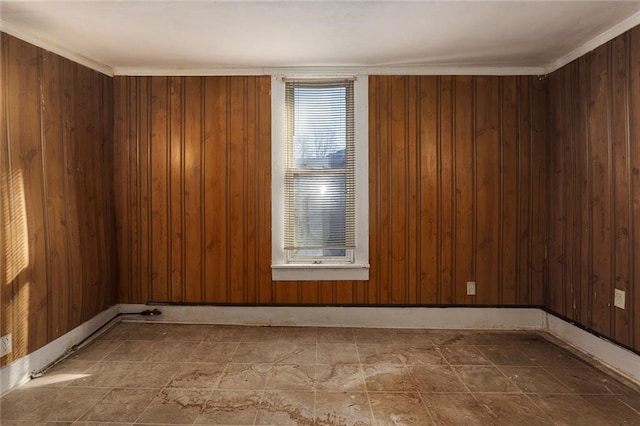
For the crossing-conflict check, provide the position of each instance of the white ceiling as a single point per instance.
(238, 36)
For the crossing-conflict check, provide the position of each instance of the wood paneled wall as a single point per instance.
(58, 262)
(594, 181)
(457, 189)
(192, 180)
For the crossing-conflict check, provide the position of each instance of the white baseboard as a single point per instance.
(620, 360)
(19, 371)
(329, 316)
(617, 358)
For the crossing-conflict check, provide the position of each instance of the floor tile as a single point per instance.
(414, 355)
(380, 354)
(614, 408)
(171, 351)
(388, 377)
(175, 406)
(119, 331)
(96, 350)
(569, 410)
(186, 332)
(62, 374)
(224, 333)
(335, 335)
(57, 404)
(334, 353)
(549, 355)
(513, 409)
(463, 355)
(485, 379)
(295, 353)
(150, 375)
(245, 376)
(261, 334)
(456, 409)
(291, 377)
(586, 380)
(230, 408)
(534, 380)
(399, 409)
(412, 336)
(436, 378)
(442, 337)
(255, 352)
(472, 338)
(372, 335)
(286, 408)
(217, 352)
(120, 405)
(131, 350)
(339, 377)
(506, 355)
(157, 373)
(299, 334)
(148, 331)
(105, 374)
(196, 375)
(342, 408)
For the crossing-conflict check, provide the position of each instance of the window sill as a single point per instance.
(322, 272)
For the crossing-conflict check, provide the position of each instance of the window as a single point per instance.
(319, 188)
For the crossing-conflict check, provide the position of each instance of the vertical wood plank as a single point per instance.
(412, 244)
(398, 189)
(634, 135)
(464, 187)
(216, 200)
(447, 190)
(510, 203)
(429, 190)
(367, 293)
(193, 203)
(175, 191)
(524, 191)
(620, 182)
(557, 219)
(539, 196)
(599, 140)
(55, 176)
(488, 159)
(8, 255)
(159, 202)
(56, 170)
(236, 186)
(583, 153)
(251, 94)
(26, 159)
(145, 235)
(263, 189)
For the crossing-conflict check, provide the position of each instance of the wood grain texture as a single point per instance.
(594, 108)
(56, 156)
(439, 188)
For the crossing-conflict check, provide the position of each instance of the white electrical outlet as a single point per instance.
(471, 288)
(618, 298)
(5, 345)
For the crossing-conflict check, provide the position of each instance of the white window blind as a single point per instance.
(319, 181)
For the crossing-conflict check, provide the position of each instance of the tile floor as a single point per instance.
(199, 374)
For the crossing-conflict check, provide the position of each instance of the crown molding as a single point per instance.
(608, 35)
(43, 43)
(332, 70)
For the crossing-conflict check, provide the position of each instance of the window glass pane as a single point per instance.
(320, 211)
(319, 127)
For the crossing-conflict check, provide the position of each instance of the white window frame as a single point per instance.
(281, 268)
